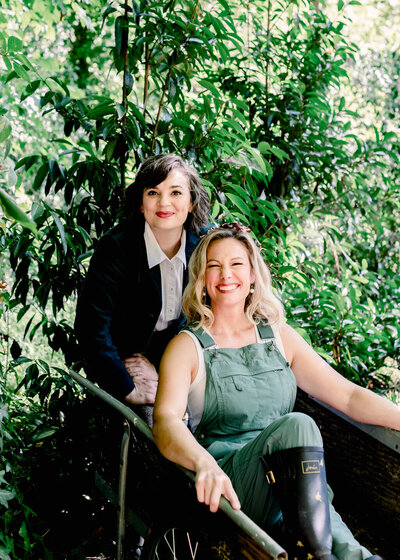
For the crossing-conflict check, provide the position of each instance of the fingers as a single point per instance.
(138, 359)
(133, 364)
(145, 385)
(139, 365)
(210, 487)
(232, 497)
(214, 497)
(142, 358)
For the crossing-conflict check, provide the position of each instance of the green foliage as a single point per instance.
(13, 211)
(262, 98)
(248, 96)
(32, 434)
(18, 527)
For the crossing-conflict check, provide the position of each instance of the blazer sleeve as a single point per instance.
(95, 308)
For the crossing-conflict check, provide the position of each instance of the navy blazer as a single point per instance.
(119, 305)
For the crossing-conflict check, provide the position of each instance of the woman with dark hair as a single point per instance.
(130, 304)
(235, 368)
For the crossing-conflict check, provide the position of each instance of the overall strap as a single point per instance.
(204, 338)
(265, 330)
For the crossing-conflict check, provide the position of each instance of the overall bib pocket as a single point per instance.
(244, 396)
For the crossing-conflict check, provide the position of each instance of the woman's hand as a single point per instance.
(212, 483)
(144, 376)
(138, 364)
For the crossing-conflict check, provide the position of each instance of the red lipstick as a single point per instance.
(164, 214)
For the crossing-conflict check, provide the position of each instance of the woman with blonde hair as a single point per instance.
(261, 304)
(235, 368)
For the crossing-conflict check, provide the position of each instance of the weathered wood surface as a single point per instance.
(364, 474)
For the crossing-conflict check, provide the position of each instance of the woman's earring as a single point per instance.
(251, 288)
(204, 294)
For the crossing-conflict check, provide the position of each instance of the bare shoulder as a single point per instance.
(291, 340)
(180, 355)
(288, 333)
(182, 342)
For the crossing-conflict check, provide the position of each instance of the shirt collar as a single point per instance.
(155, 255)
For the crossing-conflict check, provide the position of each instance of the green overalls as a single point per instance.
(248, 413)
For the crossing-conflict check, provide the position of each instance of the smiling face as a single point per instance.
(166, 206)
(228, 272)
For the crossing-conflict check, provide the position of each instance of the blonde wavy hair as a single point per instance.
(262, 304)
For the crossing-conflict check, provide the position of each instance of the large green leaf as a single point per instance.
(237, 201)
(5, 128)
(5, 497)
(14, 44)
(3, 43)
(210, 87)
(14, 212)
(61, 231)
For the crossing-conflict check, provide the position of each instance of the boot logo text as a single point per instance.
(310, 467)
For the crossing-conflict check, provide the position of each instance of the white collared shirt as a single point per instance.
(171, 276)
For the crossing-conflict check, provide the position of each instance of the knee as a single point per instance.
(302, 430)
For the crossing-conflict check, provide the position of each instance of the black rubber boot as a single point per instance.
(299, 477)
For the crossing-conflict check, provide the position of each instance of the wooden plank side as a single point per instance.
(364, 473)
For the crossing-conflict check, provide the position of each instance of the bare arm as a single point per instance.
(315, 376)
(178, 367)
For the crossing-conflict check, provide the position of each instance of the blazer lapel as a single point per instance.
(155, 275)
(152, 275)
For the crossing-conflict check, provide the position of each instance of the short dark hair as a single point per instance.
(154, 171)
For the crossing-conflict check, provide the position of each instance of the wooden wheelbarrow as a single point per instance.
(158, 500)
